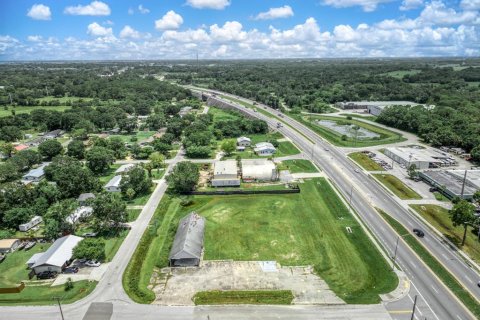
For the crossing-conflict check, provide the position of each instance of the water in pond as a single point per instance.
(347, 129)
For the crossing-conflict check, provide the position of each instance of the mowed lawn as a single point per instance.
(298, 166)
(439, 218)
(365, 162)
(397, 187)
(308, 228)
(25, 109)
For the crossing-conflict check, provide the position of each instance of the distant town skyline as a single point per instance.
(235, 29)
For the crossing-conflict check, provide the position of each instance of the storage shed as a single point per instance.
(8, 245)
(188, 244)
(225, 174)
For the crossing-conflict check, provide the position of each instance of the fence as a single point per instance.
(14, 289)
(232, 192)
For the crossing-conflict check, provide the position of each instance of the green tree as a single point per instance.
(157, 160)
(412, 171)
(475, 153)
(117, 146)
(8, 172)
(198, 152)
(228, 146)
(184, 177)
(17, 216)
(10, 133)
(76, 149)
(137, 180)
(476, 196)
(99, 159)
(56, 223)
(50, 148)
(130, 193)
(90, 249)
(7, 149)
(463, 214)
(109, 211)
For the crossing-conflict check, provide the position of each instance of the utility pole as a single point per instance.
(350, 200)
(414, 306)
(11, 101)
(463, 184)
(59, 306)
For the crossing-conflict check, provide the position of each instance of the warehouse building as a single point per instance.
(422, 158)
(188, 244)
(225, 174)
(259, 170)
(373, 107)
(451, 182)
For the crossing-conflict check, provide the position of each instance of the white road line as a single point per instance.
(444, 255)
(433, 312)
(458, 317)
(434, 289)
(469, 280)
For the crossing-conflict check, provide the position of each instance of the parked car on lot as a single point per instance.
(419, 233)
(71, 270)
(47, 275)
(89, 234)
(92, 263)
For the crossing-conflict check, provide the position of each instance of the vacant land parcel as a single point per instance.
(309, 228)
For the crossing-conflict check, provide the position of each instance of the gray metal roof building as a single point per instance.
(188, 244)
(450, 182)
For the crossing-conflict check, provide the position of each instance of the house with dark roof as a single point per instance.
(188, 244)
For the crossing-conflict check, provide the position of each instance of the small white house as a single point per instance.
(35, 175)
(79, 213)
(57, 256)
(30, 224)
(114, 184)
(225, 174)
(124, 168)
(264, 149)
(244, 142)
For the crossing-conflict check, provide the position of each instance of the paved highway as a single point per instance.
(364, 193)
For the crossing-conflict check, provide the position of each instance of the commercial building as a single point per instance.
(57, 256)
(225, 174)
(423, 158)
(373, 107)
(30, 224)
(188, 244)
(452, 182)
(8, 245)
(114, 184)
(244, 142)
(35, 175)
(259, 170)
(124, 168)
(264, 149)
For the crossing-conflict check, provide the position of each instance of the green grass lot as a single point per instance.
(142, 199)
(63, 99)
(141, 135)
(399, 74)
(249, 186)
(28, 109)
(386, 136)
(440, 197)
(365, 162)
(243, 297)
(13, 270)
(113, 243)
(438, 217)
(447, 278)
(308, 228)
(298, 166)
(133, 214)
(158, 174)
(45, 294)
(397, 187)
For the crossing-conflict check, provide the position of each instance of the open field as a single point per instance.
(140, 135)
(298, 166)
(385, 136)
(438, 217)
(401, 73)
(308, 228)
(446, 277)
(365, 162)
(243, 297)
(63, 100)
(397, 187)
(28, 109)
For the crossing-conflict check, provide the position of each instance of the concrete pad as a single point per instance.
(84, 273)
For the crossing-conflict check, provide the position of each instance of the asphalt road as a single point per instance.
(364, 193)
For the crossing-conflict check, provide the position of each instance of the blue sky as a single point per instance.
(161, 29)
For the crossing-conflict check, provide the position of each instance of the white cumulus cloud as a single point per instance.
(39, 12)
(129, 32)
(143, 10)
(230, 31)
(170, 21)
(438, 13)
(95, 8)
(35, 38)
(97, 30)
(275, 13)
(367, 5)
(470, 4)
(411, 4)
(209, 4)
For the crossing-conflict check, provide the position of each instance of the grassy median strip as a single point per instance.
(365, 162)
(438, 217)
(243, 297)
(447, 278)
(397, 187)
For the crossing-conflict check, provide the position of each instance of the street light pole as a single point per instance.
(414, 306)
(59, 306)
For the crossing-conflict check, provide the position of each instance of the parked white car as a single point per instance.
(92, 263)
